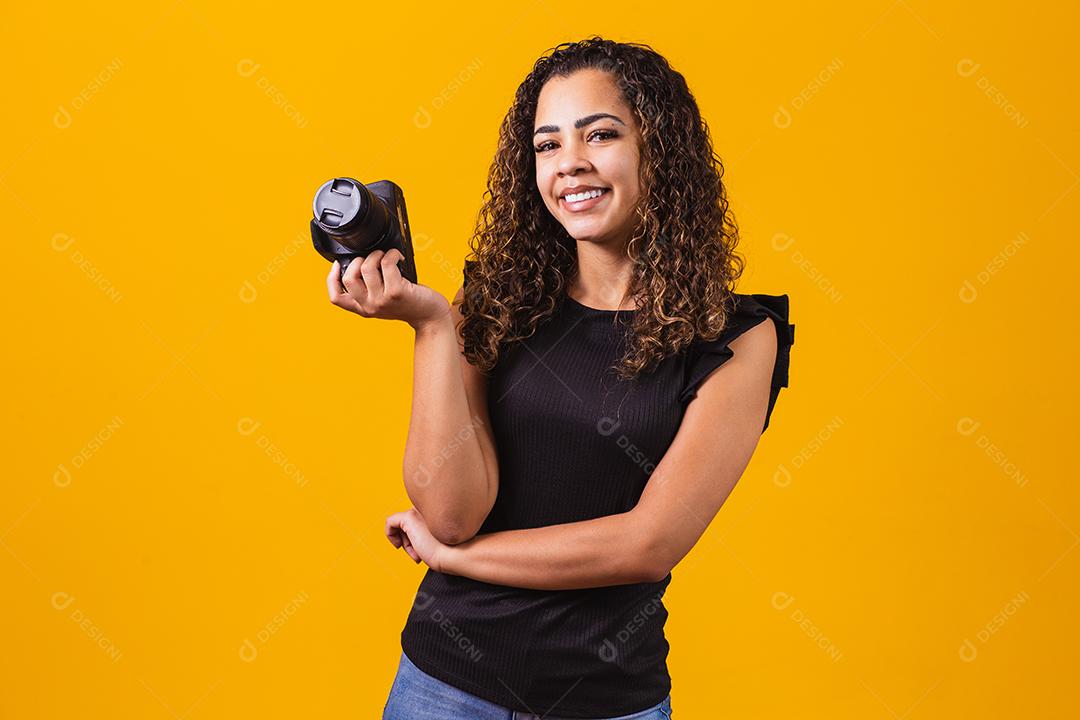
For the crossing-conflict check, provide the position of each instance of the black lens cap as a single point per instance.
(337, 203)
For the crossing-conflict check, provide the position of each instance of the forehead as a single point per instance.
(584, 92)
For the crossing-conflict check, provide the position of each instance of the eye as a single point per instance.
(601, 134)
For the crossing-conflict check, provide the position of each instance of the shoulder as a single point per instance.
(751, 310)
(746, 325)
(758, 342)
(758, 331)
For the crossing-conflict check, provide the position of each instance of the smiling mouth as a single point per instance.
(584, 201)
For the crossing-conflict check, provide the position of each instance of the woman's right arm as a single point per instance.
(450, 465)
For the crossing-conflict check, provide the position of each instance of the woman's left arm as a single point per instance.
(717, 437)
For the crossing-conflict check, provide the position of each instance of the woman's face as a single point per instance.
(587, 137)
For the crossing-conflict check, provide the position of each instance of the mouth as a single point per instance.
(579, 202)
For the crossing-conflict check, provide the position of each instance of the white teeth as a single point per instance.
(578, 197)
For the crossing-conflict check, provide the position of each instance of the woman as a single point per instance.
(583, 408)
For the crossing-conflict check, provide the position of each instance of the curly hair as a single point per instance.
(684, 264)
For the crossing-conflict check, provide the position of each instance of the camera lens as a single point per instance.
(351, 214)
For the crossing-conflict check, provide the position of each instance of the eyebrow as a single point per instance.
(578, 124)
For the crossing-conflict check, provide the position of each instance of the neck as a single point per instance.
(603, 276)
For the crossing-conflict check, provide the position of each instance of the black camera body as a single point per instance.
(352, 219)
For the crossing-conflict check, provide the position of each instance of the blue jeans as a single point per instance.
(415, 695)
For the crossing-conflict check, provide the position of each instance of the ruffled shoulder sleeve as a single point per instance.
(750, 310)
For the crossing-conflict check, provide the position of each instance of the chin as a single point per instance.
(598, 237)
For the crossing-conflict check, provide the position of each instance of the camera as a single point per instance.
(353, 219)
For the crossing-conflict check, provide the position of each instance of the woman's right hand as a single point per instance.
(374, 288)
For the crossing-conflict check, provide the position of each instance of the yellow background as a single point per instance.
(204, 450)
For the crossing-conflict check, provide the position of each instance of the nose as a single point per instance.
(573, 159)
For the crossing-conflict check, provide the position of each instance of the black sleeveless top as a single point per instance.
(574, 442)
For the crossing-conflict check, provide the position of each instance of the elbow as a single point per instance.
(451, 533)
(452, 536)
(453, 527)
(448, 526)
(650, 561)
(653, 570)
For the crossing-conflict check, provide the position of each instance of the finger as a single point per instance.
(391, 273)
(354, 282)
(372, 277)
(411, 550)
(333, 283)
(394, 537)
(337, 293)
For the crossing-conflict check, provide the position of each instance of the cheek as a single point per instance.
(629, 182)
(544, 180)
(541, 190)
(545, 189)
(633, 176)
(624, 170)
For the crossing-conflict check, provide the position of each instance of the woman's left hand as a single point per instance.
(409, 530)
